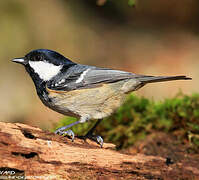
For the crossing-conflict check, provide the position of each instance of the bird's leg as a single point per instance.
(90, 132)
(93, 137)
(61, 130)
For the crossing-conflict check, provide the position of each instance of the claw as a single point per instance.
(64, 133)
(100, 141)
(59, 130)
(69, 133)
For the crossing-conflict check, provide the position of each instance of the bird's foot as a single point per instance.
(98, 139)
(62, 131)
(92, 137)
(69, 133)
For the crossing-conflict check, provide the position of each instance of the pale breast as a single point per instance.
(96, 102)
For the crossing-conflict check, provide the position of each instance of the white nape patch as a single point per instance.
(45, 70)
(82, 76)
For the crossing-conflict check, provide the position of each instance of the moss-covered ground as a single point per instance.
(139, 117)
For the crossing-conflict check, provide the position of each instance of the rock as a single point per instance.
(27, 151)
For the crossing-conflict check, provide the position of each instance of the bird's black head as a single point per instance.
(48, 56)
(44, 63)
(44, 55)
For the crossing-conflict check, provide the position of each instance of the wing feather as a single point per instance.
(81, 76)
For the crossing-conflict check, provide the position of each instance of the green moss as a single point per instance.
(139, 116)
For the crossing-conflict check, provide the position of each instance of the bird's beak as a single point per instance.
(20, 60)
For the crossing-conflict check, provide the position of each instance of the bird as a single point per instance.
(82, 91)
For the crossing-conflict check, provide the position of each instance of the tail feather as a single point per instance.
(152, 79)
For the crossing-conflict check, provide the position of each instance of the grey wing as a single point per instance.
(81, 76)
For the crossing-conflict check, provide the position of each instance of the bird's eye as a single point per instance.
(37, 58)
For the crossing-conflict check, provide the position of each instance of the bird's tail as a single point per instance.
(152, 79)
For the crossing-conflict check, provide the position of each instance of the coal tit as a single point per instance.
(82, 91)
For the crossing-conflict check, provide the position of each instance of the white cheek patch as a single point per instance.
(45, 70)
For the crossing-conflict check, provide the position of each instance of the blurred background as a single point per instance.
(156, 37)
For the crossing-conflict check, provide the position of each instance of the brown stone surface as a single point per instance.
(29, 151)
